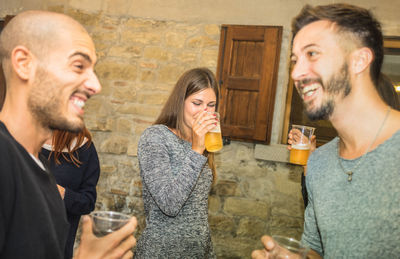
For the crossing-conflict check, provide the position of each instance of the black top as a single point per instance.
(80, 187)
(32, 214)
(304, 190)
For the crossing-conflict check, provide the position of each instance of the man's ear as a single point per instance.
(361, 60)
(22, 62)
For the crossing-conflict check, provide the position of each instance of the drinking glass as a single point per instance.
(106, 222)
(288, 248)
(213, 138)
(301, 143)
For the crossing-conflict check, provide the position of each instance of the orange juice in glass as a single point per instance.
(301, 143)
(213, 138)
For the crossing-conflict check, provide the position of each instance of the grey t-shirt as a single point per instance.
(357, 219)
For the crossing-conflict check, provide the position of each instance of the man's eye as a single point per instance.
(79, 66)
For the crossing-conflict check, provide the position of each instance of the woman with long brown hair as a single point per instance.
(177, 172)
(74, 162)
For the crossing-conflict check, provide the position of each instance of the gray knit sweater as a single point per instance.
(176, 183)
(357, 219)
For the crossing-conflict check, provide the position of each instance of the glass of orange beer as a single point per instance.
(213, 138)
(301, 144)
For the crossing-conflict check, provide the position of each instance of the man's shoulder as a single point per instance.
(11, 152)
(322, 160)
(326, 150)
(8, 154)
(395, 138)
(6, 141)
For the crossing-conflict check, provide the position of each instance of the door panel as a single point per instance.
(248, 63)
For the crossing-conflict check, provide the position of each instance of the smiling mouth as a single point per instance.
(79, 103)
(79, 99)
(309, 90)
(308, 87)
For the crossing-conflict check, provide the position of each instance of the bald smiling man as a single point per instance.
(48, 61)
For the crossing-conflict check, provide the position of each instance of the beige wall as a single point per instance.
(256, 12)
(210, 11)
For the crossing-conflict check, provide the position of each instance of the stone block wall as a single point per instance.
(139, 61)
(251, 198)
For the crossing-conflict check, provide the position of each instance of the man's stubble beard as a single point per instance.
(339, 83)
(45, 104)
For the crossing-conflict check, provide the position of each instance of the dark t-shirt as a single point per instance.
(33, 221)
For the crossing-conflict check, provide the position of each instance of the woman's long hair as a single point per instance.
(172, 114)
(66, 144)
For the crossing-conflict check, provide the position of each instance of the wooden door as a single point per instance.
(247, 70)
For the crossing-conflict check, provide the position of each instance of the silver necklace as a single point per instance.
(350, 172)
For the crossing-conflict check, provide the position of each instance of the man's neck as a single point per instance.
(359, 120)
(25, 129)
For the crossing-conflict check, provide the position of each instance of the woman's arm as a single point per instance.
(169, 182)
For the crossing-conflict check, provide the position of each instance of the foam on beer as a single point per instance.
(301, 146)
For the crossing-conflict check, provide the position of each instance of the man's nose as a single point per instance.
(93, 84)
(300, 69)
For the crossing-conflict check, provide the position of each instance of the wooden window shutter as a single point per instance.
(247, 71)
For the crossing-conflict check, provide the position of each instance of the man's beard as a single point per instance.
(45, 104)
(339, 83)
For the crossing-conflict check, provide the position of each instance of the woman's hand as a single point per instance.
(203, 122)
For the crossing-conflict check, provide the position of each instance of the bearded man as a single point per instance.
(48, 61)
(353, 182)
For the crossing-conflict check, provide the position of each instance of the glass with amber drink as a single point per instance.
(301, 144)
(213, 138)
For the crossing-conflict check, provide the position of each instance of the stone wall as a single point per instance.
(251, 198)
(143, 47)
(139, 60)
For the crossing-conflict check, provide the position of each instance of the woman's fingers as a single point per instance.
(128, 255)
(204, 122)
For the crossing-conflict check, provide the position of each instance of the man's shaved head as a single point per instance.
(33, 30)
(48, 61)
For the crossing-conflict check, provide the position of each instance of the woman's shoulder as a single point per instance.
(157, 133)
(157, 129)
